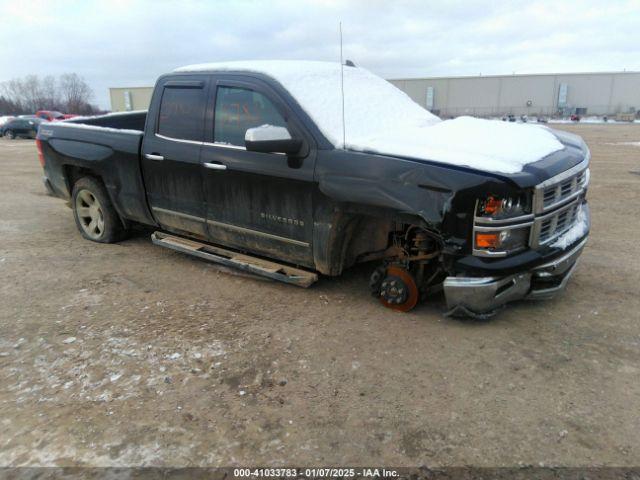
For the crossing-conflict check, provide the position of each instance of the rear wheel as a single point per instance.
(9, 134)
(93, 211)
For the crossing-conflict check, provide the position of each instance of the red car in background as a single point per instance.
(50, 115)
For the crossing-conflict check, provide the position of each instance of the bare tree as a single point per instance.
(9, 107)
(12, 92)
(75, 93)
(32, 92)
(70, 94)
(51, 94)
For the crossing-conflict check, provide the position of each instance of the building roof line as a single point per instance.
(129, 88)
(515, 75)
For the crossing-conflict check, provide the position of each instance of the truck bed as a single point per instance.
(120, 120)
(104, 147)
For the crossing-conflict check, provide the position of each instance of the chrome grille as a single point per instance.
(564, 189)
(556, 203)
(554, 225)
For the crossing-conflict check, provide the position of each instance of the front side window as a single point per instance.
(182, 113)
(237, 110)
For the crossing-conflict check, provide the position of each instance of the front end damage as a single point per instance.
(481, 297)
(556, 229)
(483, 239)
(524, 244)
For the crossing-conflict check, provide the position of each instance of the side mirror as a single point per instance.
(271, 139)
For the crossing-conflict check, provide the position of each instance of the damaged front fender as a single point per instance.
(439, 197)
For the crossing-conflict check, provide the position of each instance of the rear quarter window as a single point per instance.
(182, 113)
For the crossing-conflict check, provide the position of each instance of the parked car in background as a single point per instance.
(625, 117)
(5, 118)
(50, 115)
(21, 127)
(67, 116)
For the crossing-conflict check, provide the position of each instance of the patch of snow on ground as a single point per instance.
(381, 118)
(592, 119)
(630, 144)
(577, 231)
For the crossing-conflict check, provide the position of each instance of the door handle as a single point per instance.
(151, 156)
(215, 166)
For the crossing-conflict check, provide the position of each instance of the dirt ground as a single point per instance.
(131, 354)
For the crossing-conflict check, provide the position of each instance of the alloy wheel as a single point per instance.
(90, 215)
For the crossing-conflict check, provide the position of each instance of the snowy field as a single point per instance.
(609, 120)
(588, 120)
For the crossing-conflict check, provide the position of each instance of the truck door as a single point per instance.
(171, 153)
(259, 202)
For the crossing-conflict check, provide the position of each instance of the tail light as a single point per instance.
(40, 154)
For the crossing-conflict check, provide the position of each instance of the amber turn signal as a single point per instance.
(492, 205)
(487, 240)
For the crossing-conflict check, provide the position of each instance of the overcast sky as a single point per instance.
(129, 43)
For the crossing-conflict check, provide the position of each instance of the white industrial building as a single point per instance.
(605, 93)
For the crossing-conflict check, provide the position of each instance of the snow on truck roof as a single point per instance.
(381, 118)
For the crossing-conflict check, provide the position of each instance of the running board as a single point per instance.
(246, 263)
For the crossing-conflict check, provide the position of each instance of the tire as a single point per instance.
(9, 134)
(93, 211)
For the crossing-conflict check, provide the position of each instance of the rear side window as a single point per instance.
(182, 113)
(237, 110)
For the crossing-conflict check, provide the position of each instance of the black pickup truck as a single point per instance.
(274, 168)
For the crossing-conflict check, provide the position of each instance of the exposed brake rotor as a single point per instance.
(398, 289)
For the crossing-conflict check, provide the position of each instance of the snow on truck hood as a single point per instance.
(381, 118)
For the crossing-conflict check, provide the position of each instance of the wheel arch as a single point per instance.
(343, 234)
(73, 173)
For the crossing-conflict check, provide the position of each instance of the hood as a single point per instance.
(486, 145)
(569, 139)
(574, 152)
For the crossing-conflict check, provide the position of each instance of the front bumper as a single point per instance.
(481, 296)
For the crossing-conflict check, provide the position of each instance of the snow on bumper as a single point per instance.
(481, 296)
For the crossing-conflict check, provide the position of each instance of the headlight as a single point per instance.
(500, 241)
(497, 208)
